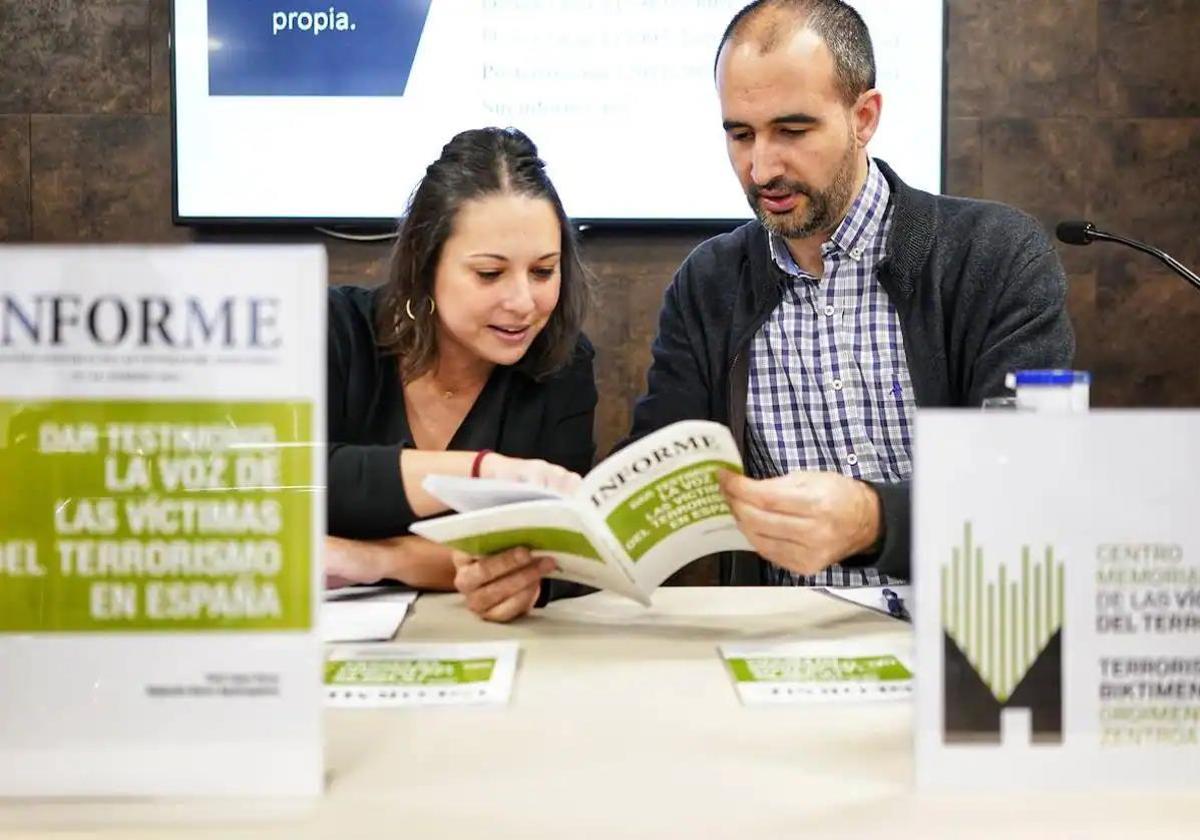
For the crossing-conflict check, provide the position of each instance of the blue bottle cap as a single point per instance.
(1052, 377)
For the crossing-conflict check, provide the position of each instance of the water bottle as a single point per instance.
(1051, 391)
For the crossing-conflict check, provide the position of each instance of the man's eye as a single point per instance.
(793, 132)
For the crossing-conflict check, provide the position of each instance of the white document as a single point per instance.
(421, 674)
(871, 597)
(640, 515)
(819, 671)
(364, 613)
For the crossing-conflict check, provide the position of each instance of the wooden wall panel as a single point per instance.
(1076, 108)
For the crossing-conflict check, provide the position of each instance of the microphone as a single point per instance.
(1085, 233)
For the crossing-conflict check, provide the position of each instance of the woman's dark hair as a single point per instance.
(474, 164)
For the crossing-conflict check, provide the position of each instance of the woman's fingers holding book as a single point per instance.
(508, 597)
(529, 471)
(515, 605)
(472, 573)
(502, 586)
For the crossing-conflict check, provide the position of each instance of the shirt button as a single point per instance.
(852, 459)
(857, 252)
(829, 310)
(837, 384)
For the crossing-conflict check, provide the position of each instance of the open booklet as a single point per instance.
(639, 516)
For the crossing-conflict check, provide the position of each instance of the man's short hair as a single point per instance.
(769, 22)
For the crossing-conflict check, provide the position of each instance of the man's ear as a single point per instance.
(864, 115)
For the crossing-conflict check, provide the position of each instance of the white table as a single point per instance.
(624, 723)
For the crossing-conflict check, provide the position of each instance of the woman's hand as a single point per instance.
(529, 471)
(414, 561)
(415, 465)
(503, 586)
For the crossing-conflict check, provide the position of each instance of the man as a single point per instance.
(815, 331)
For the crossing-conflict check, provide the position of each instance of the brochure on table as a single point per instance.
(420, 674)
(1058, 600)
(819, 671)
(161, 489)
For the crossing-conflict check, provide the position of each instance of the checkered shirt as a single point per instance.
(829, 385)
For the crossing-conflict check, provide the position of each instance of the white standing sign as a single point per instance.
(1057, 566)
(161, 413)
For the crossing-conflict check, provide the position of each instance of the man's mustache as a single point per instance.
(776, 185)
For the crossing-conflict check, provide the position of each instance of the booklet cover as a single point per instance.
(819, 671)
(638, 517)
(160, 489)
(421, 674)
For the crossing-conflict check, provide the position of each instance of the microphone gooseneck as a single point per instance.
(1085, 233)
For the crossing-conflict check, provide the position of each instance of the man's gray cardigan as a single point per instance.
(978, 289)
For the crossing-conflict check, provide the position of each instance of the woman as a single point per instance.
(469, 360)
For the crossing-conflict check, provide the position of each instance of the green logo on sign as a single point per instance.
(1003, 640)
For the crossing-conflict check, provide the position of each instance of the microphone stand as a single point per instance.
(1183, 271)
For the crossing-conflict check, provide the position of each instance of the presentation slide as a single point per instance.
(331, 111)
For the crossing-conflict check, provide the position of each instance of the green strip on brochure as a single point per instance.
(675, 501)
(408, 671)
(535, 539)
(819, 669)
(155, 516)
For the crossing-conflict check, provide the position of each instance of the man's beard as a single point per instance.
(823, 210)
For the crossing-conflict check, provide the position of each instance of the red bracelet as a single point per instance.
(478, 460)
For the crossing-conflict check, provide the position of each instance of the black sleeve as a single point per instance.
(893, 556)
(365, 496)
(1028, 326)
(366, 493)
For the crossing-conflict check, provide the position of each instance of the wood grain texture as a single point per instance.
(15, 225)
(102, 178)
(74, 56)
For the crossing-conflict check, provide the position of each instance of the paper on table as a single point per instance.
(363, 613)
(420, 674)
(819, 671)
(371, 593)
(871, 597)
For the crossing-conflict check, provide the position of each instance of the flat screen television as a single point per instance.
(328, 112)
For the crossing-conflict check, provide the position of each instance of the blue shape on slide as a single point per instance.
(334, 48)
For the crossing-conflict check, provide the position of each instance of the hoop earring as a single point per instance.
(409, 312)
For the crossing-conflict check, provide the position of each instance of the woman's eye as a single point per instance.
(544, 273)
(487, 275)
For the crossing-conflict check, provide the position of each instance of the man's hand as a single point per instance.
(503, 586)
(805, 521)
